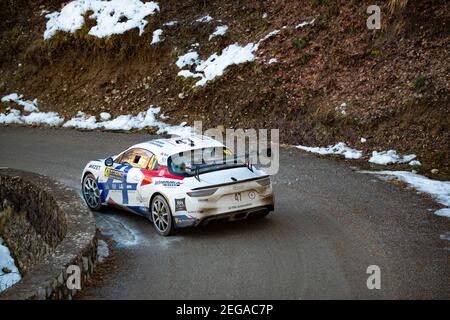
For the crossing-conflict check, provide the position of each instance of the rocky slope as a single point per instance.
(332, 81)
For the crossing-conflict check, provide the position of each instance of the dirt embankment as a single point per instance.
(394, 82)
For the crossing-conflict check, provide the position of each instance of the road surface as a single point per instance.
(331, 222)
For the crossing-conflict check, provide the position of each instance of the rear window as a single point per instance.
(191, 162)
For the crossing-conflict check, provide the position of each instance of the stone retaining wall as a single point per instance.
(47, 228)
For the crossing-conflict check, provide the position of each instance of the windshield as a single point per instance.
(191, 162)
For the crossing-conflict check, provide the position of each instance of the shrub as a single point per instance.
(419, 82)
(299, 43)
(375, 53)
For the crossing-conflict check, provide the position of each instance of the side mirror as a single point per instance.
(109, 162)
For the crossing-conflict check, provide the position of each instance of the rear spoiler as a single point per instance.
(248, 164)
(229, 183)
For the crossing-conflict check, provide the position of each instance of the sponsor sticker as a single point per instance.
(166, 183)
(184, 221)
(94, 166)
(114, 174)
(180, 204)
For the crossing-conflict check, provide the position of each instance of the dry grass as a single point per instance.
(397, 5)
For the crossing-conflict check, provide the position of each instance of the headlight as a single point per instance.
(202, 193)
(264, 182)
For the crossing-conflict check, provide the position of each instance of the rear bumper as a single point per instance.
(237, 215)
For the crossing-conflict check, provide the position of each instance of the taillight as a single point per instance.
(202, 193)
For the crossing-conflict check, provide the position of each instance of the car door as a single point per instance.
(130, 194)
(113, 180)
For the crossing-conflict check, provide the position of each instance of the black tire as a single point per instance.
(91, 192)
(161, 216)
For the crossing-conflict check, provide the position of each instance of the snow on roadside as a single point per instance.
(439, 190)
(391, 156)
(34, 116)
(102, 251)
(105, 116)
(382, 158)
(29, 106)
(142, 120)
(340, 148)
(112, 17)
(220, 31)
(14, 116)
(156, 36)
(9, 278)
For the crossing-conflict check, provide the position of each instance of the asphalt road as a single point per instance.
(331, 222)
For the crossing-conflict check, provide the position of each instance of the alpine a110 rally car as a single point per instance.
(179, 182)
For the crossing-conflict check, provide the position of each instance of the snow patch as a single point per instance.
(305, 23)
(105, 116)
(88, 122)
(269, 35)
(216, 64)
(34, 116)
(439, 190)
(170, 23)
(273, 60)
(28, 106)
(188, 59)
(342, 109)
(340, 148)
(42, 118)
(12, 276)
(156, 36)
(112, 17)
(102, 251)
(390, 156)
(188, 74)
(220, 31)
(443, 212)
(142, 120)
(204, 19)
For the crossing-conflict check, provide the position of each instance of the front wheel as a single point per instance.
(91, 192)
(161, 215)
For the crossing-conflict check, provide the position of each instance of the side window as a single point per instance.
(125, 158)
(138, 158)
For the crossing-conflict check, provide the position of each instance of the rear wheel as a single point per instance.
(91, 192)
(161, 215)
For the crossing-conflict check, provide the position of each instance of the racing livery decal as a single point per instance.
(180, 204)
(178, 182)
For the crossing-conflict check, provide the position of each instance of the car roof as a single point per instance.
(164, 148)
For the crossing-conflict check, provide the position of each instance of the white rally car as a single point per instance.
(179, 182)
